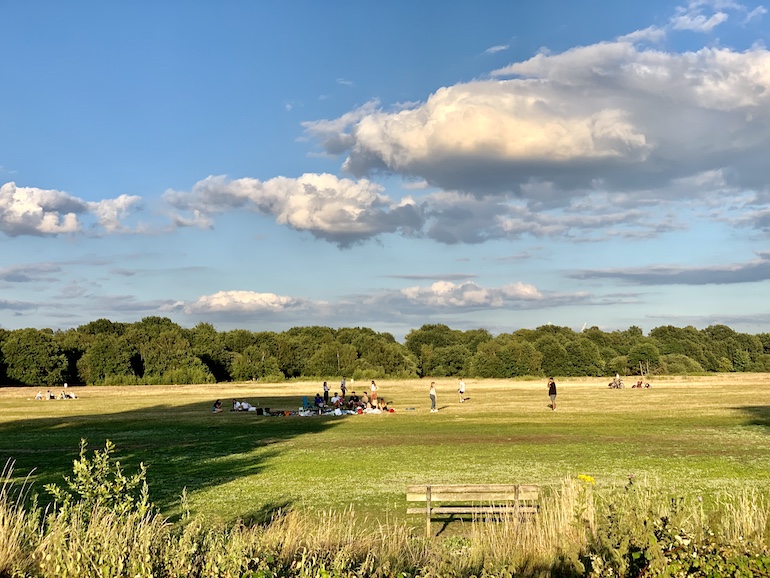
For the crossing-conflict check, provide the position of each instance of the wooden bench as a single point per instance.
(494, 499)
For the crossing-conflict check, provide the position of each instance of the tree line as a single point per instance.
(156, 350)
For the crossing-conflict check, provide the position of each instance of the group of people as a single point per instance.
(50, 395)
(352, 401)
(237, 406)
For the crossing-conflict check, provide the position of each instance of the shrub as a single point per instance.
(100, 482)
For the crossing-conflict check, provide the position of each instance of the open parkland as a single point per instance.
(701, 434)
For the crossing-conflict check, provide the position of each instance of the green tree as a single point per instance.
(504, 357)
(209, 346)
(332, 359)
(108, 359)
(554, 361)
(642, 356)
(449, 360)
(679, 364)
(34, 357)
(583, 358)
(426, 340)
(256, 363)
(102, 326)
(618, 365)
(238, 340)
(73, 344)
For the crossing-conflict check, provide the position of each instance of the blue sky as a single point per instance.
(263, 165)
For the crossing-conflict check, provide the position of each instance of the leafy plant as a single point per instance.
(100, 481)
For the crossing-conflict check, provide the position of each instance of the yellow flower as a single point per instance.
(587, 479)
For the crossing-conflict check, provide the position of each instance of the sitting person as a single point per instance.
(236, 405)
(336, 400)
(49, 395)
(70, 395)
(217, 407)
(318, 401)
(246, 406)
(39, 395)
(353, 400)
(365, 400)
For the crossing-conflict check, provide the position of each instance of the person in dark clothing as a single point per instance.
(552, 392)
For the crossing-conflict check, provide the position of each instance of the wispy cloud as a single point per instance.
(753, 271)
(497, 48)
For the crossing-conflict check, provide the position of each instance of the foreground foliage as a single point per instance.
(632, 531)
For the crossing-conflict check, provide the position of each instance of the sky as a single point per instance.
(493, 164)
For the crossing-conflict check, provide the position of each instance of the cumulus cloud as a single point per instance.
(341, 211)
(243, 302)
(610, 116)
(47, 212)
(443, 294)
(753, 271)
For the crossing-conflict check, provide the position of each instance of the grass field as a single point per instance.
(698, 434)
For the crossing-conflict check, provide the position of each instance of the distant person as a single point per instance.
(461, 390)
(39, 395)
(343, 388)
(319, 401)
(373, 395)
(552, 392)
(432, 394)
(217, 407)
(353, 401)
(326, 393)
(365, 400)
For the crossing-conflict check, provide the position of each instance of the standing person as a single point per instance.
(343, 388)
(373, 389)
(461, 390)
(552, 392)
(432, 394)
(326, 393)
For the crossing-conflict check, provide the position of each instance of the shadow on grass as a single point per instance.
(759, 414)
(183, 446)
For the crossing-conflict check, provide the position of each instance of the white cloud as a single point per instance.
(442, 294)
(42, 212)
(32, 211)
(342, 211)
(496, 49)
(611, 115)
(242, 301)
(111, 212)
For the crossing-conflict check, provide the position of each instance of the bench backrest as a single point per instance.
(473, 493)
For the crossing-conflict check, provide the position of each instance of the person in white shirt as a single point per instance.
(461, 390)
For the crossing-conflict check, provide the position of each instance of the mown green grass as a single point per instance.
(696, 435)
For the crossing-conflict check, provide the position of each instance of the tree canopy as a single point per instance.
(155, 350)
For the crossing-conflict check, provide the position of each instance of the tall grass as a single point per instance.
(580, 530)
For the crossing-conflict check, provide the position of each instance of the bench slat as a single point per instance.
(476, 510)
(473, 493)
(473, 497)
